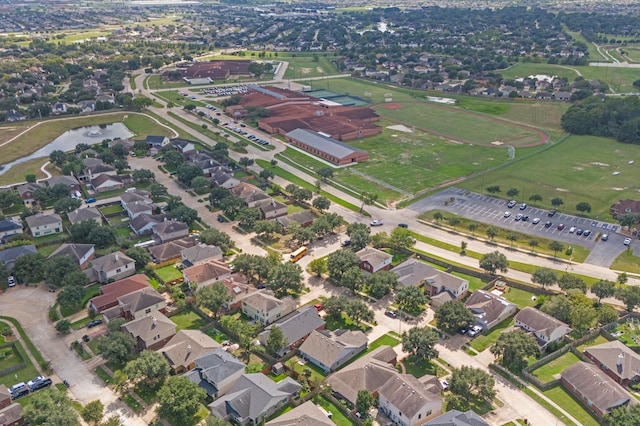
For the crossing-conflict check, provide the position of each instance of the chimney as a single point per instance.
(155, 322)
(619, 361)
(189, 348)
(117, 257)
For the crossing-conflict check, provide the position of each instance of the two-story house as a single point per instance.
(110, 293)
(113, 266)
(169, 230)
(136, 203)
(82, 254)
(408, 401)
(206, 273)
(544, 327)
(265, 308)
(216, 371)
(44, 224)
(26, 192)
(185, 347)
(295, 328)
(151, 332)
(373, 260)
(10, 227)
(89, 213)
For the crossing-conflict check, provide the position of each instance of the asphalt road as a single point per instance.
(490, 210)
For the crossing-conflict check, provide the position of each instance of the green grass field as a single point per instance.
(168, 273)
(188, 320)
(552, 370)
(627, 262)
(486, 339)
(521, 298)
(578, 169)
(564, 399)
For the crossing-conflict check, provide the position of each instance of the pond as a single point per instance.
(71, 138)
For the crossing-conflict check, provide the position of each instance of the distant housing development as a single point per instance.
(327, 148)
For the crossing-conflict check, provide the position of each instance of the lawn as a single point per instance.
(132, 402)
(419, 368)
(627, 262)
(24, 374)
(475, 283)
(306, 369)
(599, 339)
(565, 400)
(94, 345)
(337, 417)
(91, 292)
(168, 273)
(486, 339)
(102, 373)
(343, 323)
(17, 174)
(521, 298)
(143, 126)
(116, 208)
(578, 169)
(626, 332)
(382, 341)
(552, 370)
(188, 320)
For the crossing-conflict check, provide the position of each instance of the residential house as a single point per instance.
(304, 218)
(489, 309)
(89, 213)
(409, 401)
(9, 256)
(183, 146)
(295, 328)
(5, 396)
(110, 293)
(171, 250)
(373, 260)
(105, 182)
(216, 371)
(598, 392)
(82, 254)
(253, 398)
(272, 209)
(238, 287)
(562, 96)
(141, 303)
(13, 116)
(331, 350)
(94, 167)
(87, 106)
(143, 223)
(10, 227)
(370, 373)
(113, 267)
(543, 326)
(617, 360)
(182, 350)
(156, 143)
(44, 224)
(151, 332)
(169, 230)
(307, 414)
(26, 192)
(136, 203)
(69, 181)
(252, 195)
(265, 308)
(200, 253)
(624, 207)
(224, 180)
(544, 96)
(414, 273)
(11, 415)
(206, 273)
(59, 108)
(458, 418)
(205, 161)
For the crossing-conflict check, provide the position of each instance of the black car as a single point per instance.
(403, 225)
(220, 218)
(20, 392)
(579, 231)
(586, 233)
(548, 224)
(551, 213)
(94, 323)
(525, 218)
(463, 330)
(346, 243)
(39, 383)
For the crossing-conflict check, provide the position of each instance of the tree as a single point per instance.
(512, 192)
(359, 234)
(544, 277)
(50, 407)
(157, 190)
(472, 383)
(533, 244)
(630, 296)
(513, 237)
(583, 207)
(248, 216)
(318, 266)
(453, 221)
(89, 232)
(28, 268)
(325, 173)
(92, 412)
(186, 173)
(172, 159)
(215, 237)
(150, 367)
(401, 239)
(557, 202)
(452, 316)
(321, 203)
(143, 175)
(492, 232)
(245, 162)
(112, 421)
(368, 199)
(438, 216)
(494, 189)
(266, 228)
(320, 226)
(364, 401)
(213, 297)
(411, 299)
(63, 326)
(117, 347)
(339, 261)
(513, 349)
(70, 296)
(266, 175)
(381, 283)
(353, 279)
(218, 194)
(140, 255)
(201, 184)
(301, 194)
(556, 247)
(624, 415)
(8, 199)
(535, 198)
(569, 281)
(420, 342)
(622, 278)
(558, 307)
(232, 205)
(179, 400)
(66, 205)
(58, 157)
(285, 278)
(493, 262)
(31, 178)
(276, 341)
(358, 311)
(582, 316)
(57, 268)
(607, 314)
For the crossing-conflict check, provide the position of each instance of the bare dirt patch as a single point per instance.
(562, 190)
(392, 106)
(595, 163)
(305, 70)
(400, 128)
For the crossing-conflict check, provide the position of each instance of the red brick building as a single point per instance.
(324, 147)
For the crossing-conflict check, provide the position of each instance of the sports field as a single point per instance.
(596, 170)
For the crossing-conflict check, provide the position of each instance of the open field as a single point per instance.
(633, 53)
(18, 173)
(44, 133)
(578, 169)
(552, 370)
(301, 65)
(627, 262)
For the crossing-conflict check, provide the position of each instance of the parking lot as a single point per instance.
(490, 210)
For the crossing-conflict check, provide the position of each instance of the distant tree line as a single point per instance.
(617, 118)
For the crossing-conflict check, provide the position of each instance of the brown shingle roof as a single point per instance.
(111, 292)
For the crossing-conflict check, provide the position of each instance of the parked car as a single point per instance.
(604, 237)
(90, 200)
(39, 382)
(18, 390)
(318, 307)
(377, 222)
(572, 229)
(391, 314)
(560, 226)
(511, 204)
(627, 241)
(346, 243)
(548, 224)
(523, 206)
(445, 385)
(11, 281)
(518, 217)
(476, 329)
(579, 231)
(403, 225)
(525, 218)
(586, 233)
(220, 218)
(551, 213)
(94, 323)
(507, 214)
(536, 220)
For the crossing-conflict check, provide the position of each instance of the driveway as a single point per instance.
(30, 306)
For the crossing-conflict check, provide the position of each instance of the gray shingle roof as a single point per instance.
(147, 327)
(111, 261)
(457, 418)
(186, 346)
(9, 225)
(618, 358)
(218, 364)
(326, 347)
(539, 321)
(307, 414)
(407, 394)
(322, 143)
(75, 251)
(89, 213)
(140, 299)
(43, 219)
(295, 325)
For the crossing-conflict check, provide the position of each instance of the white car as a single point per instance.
(11, 281)
(627, 241)
(377, 222)
(476, 329)
(572, 229)
(507, 214)
(536, 220)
